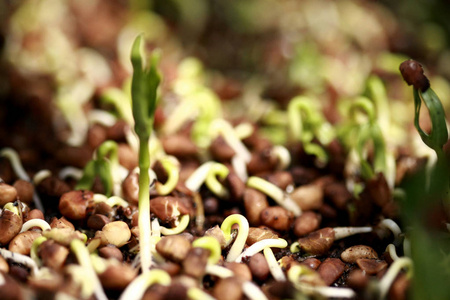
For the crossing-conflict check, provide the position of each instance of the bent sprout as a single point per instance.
(172, 167)
(241, 237)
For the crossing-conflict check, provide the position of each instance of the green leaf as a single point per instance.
(144, 88)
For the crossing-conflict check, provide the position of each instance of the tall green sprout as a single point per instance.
(144, 97)
(429, 247)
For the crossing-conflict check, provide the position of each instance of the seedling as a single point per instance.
(241, 237)
(144, 87)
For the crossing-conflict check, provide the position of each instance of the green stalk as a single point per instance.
(144, 87)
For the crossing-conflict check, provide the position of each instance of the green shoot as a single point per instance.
(144, 87)
(102, 167)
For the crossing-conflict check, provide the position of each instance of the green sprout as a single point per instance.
(137, 288)
(106, 169)
(172, 166)
(241, 237)
(306, 122)
(144, 87)
(211, 244)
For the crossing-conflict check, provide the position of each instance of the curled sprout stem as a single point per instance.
(41, 175)
(111, 201)
(221, 171)
(72, 172)
(136, 289)
(16, 164)
(274, 267)
(98, 116)
(394, 228)
(283, 155)
(295, 275)
(366, 133)
(392, 252)
(83, 257)
(240, 167)
(295, 247)
(438, 135)
(33, 251)
(392, 272)
(144, 87)
(211, 244)
(343, 232)
(172, 167)
(121, 101)
(377, 92)
(275, 193)
(183, 224)
(35, 223)
(198, 177)
(20, 259)
(261, 245)
(241, 237)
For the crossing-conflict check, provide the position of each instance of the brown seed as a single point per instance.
(46, 285)
(127, 157)
(11, 289)
(195, 262)
(331, 269)
(277, 217)
(379, 190)
(220, 150)
(351, 254)
(177, 291)
(311, 262)
(262, 161)
(357, 279)
(412, 73)
(399, 287)
(308, 197)
(117, 131)
(130, 188)
(235, 186)
(61, 223)
(110, 251)
(53, 187)
(259, 267)
(22, 242)
(256, 234)
(116, 233)
(8, 193)
(4, 267)
(168, 208)
(229, 288)
(241, 271)
(25, 190)
(255, 202)
(117, 276)
(371, 266)
(317, 242)
(10, 226)
(73, 204)
(97, 221)
(103, 209)
(33, 214)
(96, 135)
(217, 233)
(306, 223)
(173, 247)
(180, 146)
(52, 254)
(282, 179)
(338, 194)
